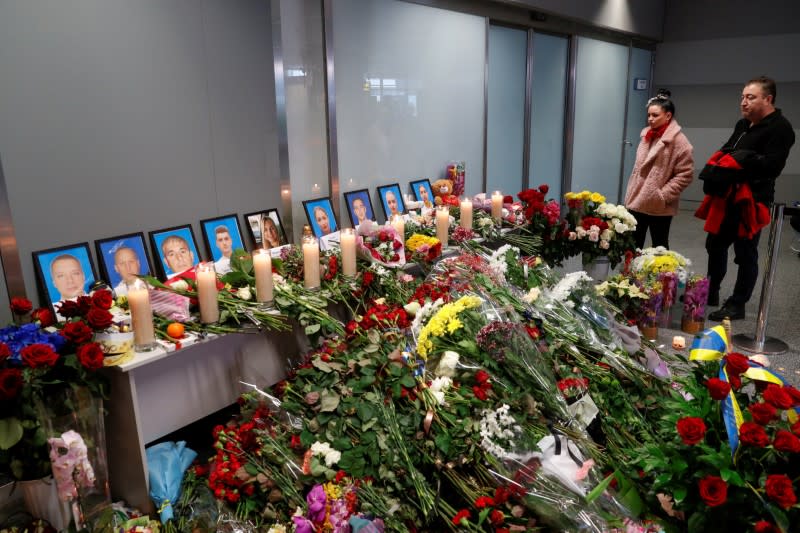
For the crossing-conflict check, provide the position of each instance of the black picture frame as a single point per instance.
(418, 196)
(324, 203)
(107, 250)
(209, 228)
(53, 291)
(393, 188)
(157, 238)
(254, 222)
(363, 195)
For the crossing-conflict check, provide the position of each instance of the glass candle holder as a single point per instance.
(144, 336)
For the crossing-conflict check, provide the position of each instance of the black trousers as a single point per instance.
(659, 229)
(745, 256)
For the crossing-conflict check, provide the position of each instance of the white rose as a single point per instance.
(244, 293)
(619, 227)
(332, 457)
(573, 235)
(606, 234)
(439, 396)
(412, 308)
(594, 236)
(532, 295)
(581, 232)
(604, 244)
(447, 364)
(441, 383)
(180, 285)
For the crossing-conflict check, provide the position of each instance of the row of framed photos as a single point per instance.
(67, 272)
(323, 220)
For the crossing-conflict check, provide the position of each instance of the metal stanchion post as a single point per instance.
(760, 343)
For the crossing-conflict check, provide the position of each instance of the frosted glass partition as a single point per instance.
(637, 111)
(508, 49)
(409, 92)
(599, 116)
(548, 98)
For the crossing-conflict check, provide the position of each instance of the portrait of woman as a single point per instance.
(266, 223)
(422, 192)
(320, 215)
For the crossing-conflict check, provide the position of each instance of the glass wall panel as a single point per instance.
(600, 85)
(637, 111)
(508, 49)
(548, 99)
(409, 92)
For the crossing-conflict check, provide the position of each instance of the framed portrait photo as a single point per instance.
(320, 215)
(359, 206)
(391, 200)
(174, 250)
(222, 236)
(266, 228)
(121, 259)
(422, 191)
(64, 273)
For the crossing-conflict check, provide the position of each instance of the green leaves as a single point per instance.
(10, 432)
(329, 401)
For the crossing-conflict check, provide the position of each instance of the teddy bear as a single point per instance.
(443, 192)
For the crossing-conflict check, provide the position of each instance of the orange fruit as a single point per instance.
(175, 330)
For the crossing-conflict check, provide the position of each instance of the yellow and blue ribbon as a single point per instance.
(709, 345)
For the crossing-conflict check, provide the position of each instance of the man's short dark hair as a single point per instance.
(221, 229)
(767, 85)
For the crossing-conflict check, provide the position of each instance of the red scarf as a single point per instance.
(655, 133)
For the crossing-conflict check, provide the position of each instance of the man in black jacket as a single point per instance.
(758, 150)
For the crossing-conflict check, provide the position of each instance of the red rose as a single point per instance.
(91, 356)
(718, 389)
(786, 442)
(77, 332)
(4, 351)
(544, 188)
(796, 428)
(691, 429)
(775, 395)
(69, 309)
(736, 382)
(479, 393)
(753, 435)
(84, 304)
(102, 299)
(713, 490)
(779, 489)
(44, 316)
(765, 527)
(21, 306)
(38, 355)
(737, 363)
(10, 383)
(481, 376)
(99, 319)
(762, 413)
(793, 393)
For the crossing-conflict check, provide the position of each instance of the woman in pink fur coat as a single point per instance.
(663, 169)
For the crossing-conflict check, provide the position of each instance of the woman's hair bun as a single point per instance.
(663, 93)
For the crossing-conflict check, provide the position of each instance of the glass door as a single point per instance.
(639, 88)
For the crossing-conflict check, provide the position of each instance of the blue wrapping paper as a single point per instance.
(166, 463)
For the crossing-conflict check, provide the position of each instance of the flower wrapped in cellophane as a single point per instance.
(380, 244)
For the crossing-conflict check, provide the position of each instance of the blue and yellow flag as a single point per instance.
(709, 345)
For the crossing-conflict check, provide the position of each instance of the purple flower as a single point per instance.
(316, 503)
(302, 524)
(695, 297)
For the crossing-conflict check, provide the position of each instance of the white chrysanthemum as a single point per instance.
(532, 295)
(447, 364)
(441, 383)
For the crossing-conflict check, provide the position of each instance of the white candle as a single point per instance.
(144, 335)
(497, 206)
(310, 262)
(399, 224)
(262, 267)
(207, 293)
(466, 213)
(442, 224)
(347, 241)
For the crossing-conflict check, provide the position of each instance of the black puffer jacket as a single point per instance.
(761, 150)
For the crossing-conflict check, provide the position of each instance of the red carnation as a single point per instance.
(753, 435)
(4, 351)
(69, 309)
(779, 489)
(544, 188)
(737, 363)
(484, 501)
(763, 413)
(496, 517)
(77, 332)
(99, 319)
(479, 393)
(786, 442)
(10, 383)
(102, 299)
(38, 355)
(763, 526)
(21, 306)
(718, 389)
(44, 316)
(775, 395)
(91, 356)
(713, 490)
(463, 514)
(481, 376)
(84, 304)
(691, 429)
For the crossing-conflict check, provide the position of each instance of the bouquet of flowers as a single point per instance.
(599, 228)
(380, 244)
(654, 261)
(695, 297)
(626, 295)
(543, 218)
(422, 248)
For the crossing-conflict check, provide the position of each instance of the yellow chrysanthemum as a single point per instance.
(454, 325)
(332, 491)
(442, 322)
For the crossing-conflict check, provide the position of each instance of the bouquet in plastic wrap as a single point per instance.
(380, 244)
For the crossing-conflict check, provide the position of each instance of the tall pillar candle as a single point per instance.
(399, 224)
(262, 267)
(310, 262)
(347, 241)
(207, 293)
(466, 213)
(144, 335)
(442, 224)
(497, 206)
